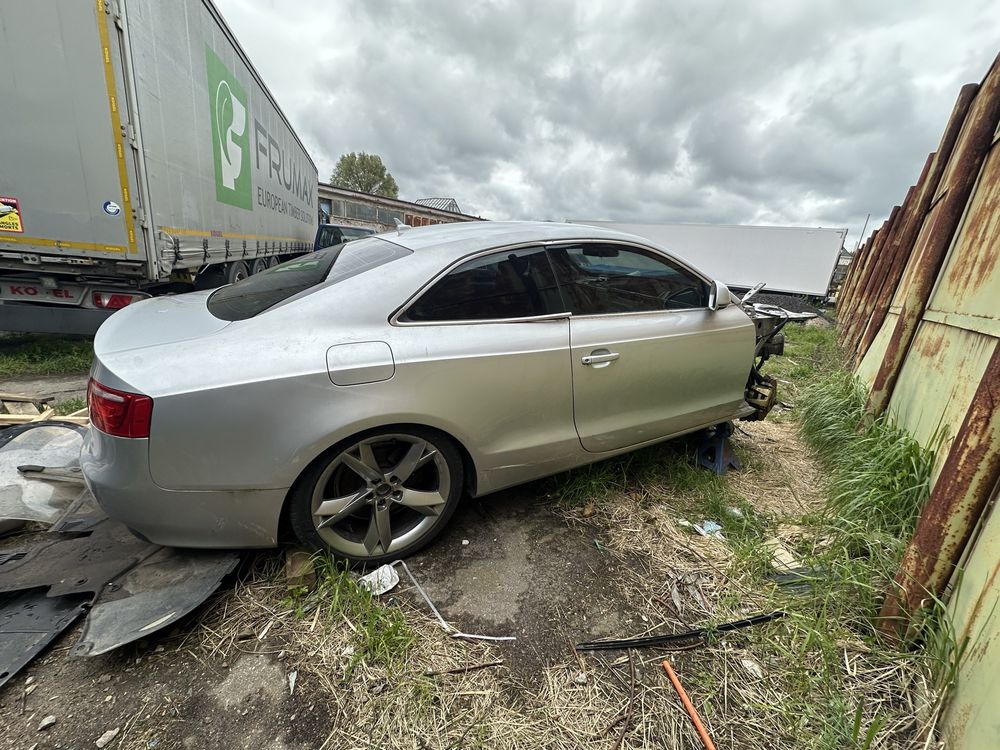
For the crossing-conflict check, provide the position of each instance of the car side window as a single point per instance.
(506, 284)
(329, 236)
(604, 278)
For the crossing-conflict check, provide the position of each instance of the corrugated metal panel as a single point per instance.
(971, 719)
(969, 285)
(937, 382)
(938, 229)
(876, 352)
(935, 364)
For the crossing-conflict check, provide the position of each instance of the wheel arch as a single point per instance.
(470, 478)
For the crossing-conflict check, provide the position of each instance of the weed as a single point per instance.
(381, 635)
(69, 406)
(44, 355)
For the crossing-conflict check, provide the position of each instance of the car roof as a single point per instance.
(455, 240)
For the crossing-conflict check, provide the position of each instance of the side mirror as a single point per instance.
(719, 296)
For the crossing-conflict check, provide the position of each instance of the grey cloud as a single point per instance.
(785, 112)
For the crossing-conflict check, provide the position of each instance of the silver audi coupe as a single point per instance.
(355, 394)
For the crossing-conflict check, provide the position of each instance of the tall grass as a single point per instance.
(878, 475)
(39, 354)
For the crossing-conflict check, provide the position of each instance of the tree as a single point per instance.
(365, 173)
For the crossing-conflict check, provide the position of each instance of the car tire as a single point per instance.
(257, 266)
(416, 468)
(236, 271)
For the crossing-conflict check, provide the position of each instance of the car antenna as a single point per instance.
(401, 227)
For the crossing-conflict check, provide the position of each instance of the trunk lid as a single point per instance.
(160, 320)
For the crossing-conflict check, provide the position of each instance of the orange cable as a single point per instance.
(706, 740)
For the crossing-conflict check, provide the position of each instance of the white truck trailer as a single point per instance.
(790, 260)
(140, 153)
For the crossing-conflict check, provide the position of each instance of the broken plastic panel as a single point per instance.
(50, 444)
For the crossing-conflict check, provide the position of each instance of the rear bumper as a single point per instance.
(117, 472)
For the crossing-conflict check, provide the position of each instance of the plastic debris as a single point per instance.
(47, 722)
(709, 528)
(753, 668)
(292, 677)
(382, 579)
(105, 738)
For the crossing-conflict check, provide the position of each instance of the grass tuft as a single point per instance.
(381, 635)
(36, 354)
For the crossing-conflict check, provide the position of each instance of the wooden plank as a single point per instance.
(18, 397)
(9, 419)
(20, 407)
(47, 414)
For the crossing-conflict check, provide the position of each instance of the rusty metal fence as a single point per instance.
(919, 316)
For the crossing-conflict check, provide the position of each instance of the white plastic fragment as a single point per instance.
(292, 677)
(709, 528)
(753, 668)
(382, 579)
(47, 722)
(465, 542)
(105, 738)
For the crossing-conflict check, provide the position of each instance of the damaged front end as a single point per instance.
(762, 390)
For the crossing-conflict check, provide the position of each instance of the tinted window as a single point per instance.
(507, 284)
(598, 279)
(354, 233)
(328, 236)
(253, 295)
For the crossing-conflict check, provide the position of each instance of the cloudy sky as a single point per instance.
(781, 112)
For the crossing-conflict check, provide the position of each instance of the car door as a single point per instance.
(648, 356)
(489, 361)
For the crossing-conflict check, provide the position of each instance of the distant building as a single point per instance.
(444, 204)
(339, 205)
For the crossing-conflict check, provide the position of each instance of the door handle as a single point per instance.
(597, 359)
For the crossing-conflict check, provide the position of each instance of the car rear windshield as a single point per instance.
(263, 290)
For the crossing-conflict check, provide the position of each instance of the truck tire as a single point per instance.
(257, 266)
(236, 271)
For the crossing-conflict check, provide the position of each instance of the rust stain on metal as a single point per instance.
(878, 304)
(968, 479)
(981, 232)
(931, 343)
(861, 288)
(873, 283)
(916, 210)
(986, 590)
(974, 140)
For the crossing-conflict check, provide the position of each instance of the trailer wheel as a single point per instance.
(257, 266)
(236, 271)
(272, 260)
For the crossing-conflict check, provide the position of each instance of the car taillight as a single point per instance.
(113, 300)
(119, 413)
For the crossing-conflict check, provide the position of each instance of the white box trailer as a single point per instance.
(140, 152)
(790, 260)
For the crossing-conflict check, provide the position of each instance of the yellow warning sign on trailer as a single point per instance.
(10, 215)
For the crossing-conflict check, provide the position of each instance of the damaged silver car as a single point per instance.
(355, 394)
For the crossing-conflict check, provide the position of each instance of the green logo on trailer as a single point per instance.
(230, 134)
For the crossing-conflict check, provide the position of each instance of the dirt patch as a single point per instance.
(160, 696)
(525, 572)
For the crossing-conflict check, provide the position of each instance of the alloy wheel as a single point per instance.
(381, 495)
